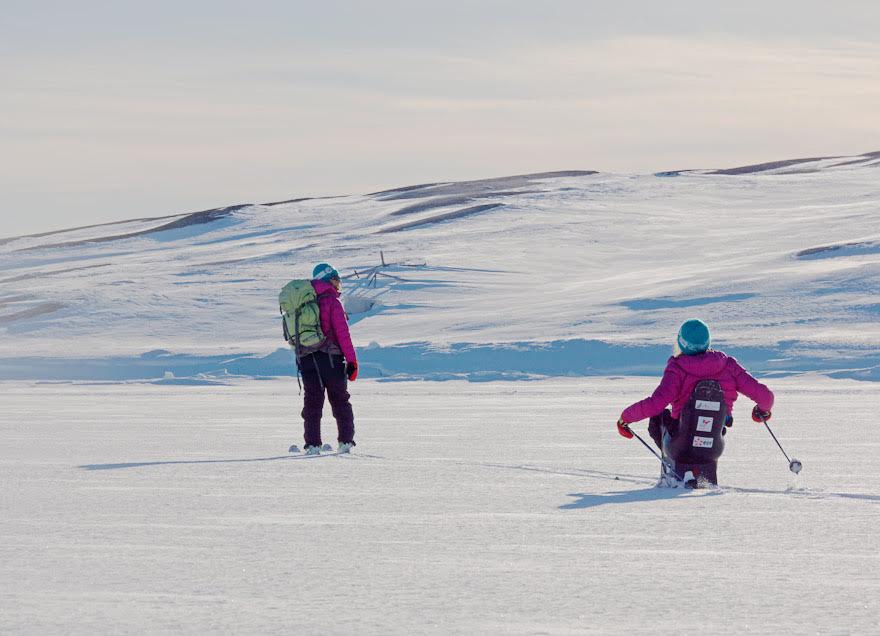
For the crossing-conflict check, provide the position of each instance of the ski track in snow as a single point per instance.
(465, 509)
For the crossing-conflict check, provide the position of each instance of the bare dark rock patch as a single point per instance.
(270, 204)
(853, 248)
(475, 188)
(196, 218)
(445, 202)
(774, 165)
(770, 165)
(387, 193)
(3, 241)
(457, 214)
(32, 312)
(8, 300)
(53, 272)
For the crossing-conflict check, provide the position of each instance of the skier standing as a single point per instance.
(692, 363)
(329, 368)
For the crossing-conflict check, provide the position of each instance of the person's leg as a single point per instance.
(313, 399)
(669, 424)
(655, 427)
(338, 396)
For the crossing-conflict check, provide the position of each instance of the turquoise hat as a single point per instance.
(325, 272)
(693, 337)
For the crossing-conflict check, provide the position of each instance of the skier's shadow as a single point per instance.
(198, 461)
(592, 500)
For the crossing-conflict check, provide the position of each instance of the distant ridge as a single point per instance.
(475, 185)
(774, 165)
(458, 192)
(195, 218)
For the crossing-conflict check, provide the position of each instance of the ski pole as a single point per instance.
(794, 465)
(657, 455)
(644, 443)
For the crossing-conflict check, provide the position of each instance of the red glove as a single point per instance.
(351, 370)
(760, 416)
(623, 429)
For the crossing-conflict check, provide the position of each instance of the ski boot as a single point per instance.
(671, 478)
(690, 475)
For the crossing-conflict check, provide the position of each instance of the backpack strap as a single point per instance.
(296, 315)
(284, 325)
(326, 294)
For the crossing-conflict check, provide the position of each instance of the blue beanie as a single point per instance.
(693, 337)
(325, 272)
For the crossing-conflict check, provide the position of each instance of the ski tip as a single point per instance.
(293, 449)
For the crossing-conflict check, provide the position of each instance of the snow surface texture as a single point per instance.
(572, 273)
(466, 508)
(147, 487)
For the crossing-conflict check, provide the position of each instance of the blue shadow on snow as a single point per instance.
(651, 304)
(467, 361)
(121, 465)
(590, 500)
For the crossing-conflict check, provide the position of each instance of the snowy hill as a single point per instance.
(466, 508)
(562, 273)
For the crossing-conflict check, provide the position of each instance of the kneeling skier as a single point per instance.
(701, 385)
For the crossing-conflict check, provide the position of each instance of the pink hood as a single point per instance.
(681, 376)
(334, 323)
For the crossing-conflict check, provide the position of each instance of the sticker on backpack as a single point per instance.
(703, 442)
(704, 424)
(705, 405)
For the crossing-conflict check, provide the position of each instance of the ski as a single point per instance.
(325, 450)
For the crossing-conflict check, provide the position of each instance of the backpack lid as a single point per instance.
(295, 294)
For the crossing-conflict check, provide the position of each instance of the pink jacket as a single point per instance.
(683, 373)
(333, 320)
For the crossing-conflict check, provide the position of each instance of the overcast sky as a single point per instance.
(113, 110)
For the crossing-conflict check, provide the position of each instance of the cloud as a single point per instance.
(257, 120)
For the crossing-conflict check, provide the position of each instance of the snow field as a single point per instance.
(466, 508)
(785, 259)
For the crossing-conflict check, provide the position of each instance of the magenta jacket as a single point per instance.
(333, 320)
(681, 376)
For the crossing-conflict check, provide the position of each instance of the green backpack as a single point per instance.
(301, 318)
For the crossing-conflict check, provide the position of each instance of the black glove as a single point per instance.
(351, 370)
(760, 416)
(728, 422)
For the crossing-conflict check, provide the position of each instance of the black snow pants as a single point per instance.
(658, 423)
(325, 372)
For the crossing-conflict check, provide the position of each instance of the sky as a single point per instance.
(117, 110)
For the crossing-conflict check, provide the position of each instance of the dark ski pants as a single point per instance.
(324, 372)
(658, 423)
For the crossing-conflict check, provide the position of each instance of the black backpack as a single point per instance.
(700, 436)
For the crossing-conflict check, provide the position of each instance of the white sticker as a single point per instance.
(703, 405)
(703, 442)
(704, 424)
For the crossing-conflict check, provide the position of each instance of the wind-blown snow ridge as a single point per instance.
(187, 220)
(515, 275)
